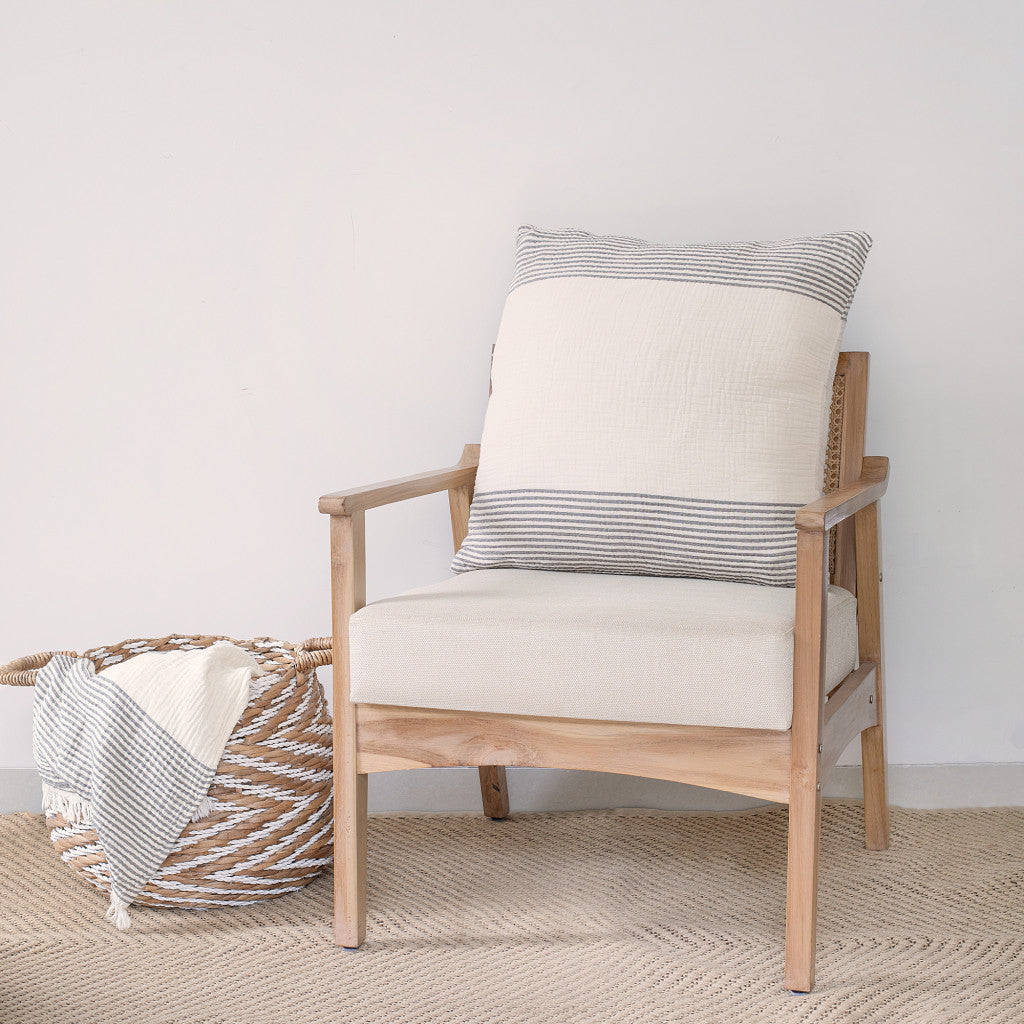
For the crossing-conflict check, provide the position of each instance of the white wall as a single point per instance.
(257, 251)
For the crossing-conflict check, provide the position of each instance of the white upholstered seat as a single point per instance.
(594, 646)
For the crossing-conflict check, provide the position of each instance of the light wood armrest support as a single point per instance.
(346, 503)
(824, 513)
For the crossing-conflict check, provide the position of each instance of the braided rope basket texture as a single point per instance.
(271, 830)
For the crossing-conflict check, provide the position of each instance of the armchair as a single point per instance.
(744, 749)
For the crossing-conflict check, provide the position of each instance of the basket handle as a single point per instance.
(23, 671)
(309, 654)
(314, 652)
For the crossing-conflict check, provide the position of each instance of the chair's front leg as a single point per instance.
(348, 595)
(805, 777)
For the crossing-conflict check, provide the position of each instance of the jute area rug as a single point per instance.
(626, 916)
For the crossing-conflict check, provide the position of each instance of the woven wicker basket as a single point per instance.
(271, 831)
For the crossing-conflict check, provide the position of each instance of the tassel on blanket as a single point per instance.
(118, 913)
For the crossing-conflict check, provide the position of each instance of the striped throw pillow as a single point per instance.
(660, 410)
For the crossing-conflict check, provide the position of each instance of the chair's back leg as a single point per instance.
(805, 776)
(869, 627)
(493, 784)
(494, 791)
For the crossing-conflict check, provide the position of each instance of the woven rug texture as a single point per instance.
(593, 917)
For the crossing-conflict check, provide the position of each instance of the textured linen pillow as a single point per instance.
(660, 410)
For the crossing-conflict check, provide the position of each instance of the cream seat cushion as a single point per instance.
(587, 645)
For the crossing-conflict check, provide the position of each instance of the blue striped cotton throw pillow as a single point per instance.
(660, 410)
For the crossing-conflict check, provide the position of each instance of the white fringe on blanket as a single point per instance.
(72, 808)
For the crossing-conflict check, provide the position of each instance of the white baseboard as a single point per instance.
(20, 790)
(448, 790)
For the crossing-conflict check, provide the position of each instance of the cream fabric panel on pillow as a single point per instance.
(660, 410)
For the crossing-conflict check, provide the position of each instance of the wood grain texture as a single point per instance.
(348, 595)
(832, 509)
(869, 628)
(846, 689)
(461, 498)
(854, 711)
(805, 784)
(754, 762)
(359, 499)
(855, 406)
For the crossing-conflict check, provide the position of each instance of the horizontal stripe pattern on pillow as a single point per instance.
(631, 534)
(825, 267)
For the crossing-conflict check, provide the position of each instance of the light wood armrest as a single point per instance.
(824, 513)
(345, 503)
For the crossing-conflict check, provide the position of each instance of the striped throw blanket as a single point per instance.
(132, 750)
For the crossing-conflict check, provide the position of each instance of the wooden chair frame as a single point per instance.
(788, 767)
